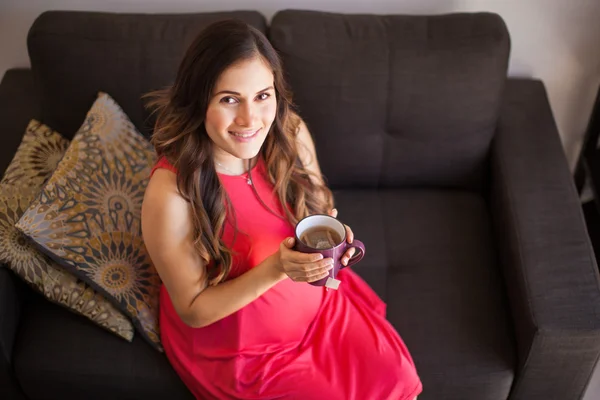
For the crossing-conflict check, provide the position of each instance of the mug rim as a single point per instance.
(320, 215)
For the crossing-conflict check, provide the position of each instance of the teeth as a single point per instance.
(243, 135)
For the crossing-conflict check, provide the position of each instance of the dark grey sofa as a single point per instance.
(451, 174)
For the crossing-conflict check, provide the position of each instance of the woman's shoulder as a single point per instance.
(163, 206)
(163, 163)
(162, 185)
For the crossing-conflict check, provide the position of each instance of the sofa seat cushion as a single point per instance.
(59, 355)
(430, 255)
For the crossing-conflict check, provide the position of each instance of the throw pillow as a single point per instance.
(36, 158)
(87, 216)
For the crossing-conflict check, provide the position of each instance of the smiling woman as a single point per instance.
(238, 320)
(238, 121)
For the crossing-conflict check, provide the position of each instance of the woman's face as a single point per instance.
(241, 111)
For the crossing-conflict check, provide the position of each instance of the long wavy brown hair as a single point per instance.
(180, 136)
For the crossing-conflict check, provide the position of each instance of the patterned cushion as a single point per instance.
(87, 216)
(36, 158)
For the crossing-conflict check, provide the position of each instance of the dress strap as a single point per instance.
(163, 163)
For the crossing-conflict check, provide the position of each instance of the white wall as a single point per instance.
(555, 40)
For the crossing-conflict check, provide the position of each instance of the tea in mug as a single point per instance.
(321, 237)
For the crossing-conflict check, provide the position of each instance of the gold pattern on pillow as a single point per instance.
(87, 216)
(37, 156)
(15, 249)
(35, 159)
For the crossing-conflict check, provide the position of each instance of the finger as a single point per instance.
(288, 243)
(302, 258)
(318, 277)
(310, 268)
(348, 255)
(312, 277)
(289, 254)
(349, 234)
(333, 213)
(299, 274)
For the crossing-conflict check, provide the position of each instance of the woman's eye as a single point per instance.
(263, 96)
(228, 100)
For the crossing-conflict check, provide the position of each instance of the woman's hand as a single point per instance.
(302, 267)
(349, 238)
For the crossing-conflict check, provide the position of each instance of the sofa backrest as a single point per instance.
(392, 101)
(76, 54)
(396, 100)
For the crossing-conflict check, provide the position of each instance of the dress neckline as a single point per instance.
(259, 162)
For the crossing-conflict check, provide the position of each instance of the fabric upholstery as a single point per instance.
(62, 356)
(34, 162)
(11, 299)
(125, 55)
(545, 252)
(407, 100)
(430, 254)
(18, 104)
(361, 210)
(87, 215)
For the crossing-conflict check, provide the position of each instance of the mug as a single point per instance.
(336, 252)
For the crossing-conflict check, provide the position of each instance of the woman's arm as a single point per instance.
(168, 235)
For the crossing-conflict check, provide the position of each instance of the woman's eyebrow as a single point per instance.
(265, 89)
(239, 94)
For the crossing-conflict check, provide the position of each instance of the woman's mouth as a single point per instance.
(244, 136)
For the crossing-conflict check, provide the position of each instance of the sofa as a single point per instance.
(450, 172)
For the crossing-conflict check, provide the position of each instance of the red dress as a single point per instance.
(296, 341)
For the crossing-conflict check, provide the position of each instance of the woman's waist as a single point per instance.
(278, 319)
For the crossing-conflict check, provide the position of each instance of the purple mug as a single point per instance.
(336, 252)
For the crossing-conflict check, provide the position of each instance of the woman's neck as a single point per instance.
(232, 165)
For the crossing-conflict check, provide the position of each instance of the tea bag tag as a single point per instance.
(332, 283)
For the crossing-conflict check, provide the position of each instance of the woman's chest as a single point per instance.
(261, 226)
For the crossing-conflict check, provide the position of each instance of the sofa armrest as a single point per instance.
(547, 259)
(18, 104)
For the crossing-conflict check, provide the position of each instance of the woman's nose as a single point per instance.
(245, 115)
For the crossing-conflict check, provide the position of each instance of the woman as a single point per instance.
(237, 170)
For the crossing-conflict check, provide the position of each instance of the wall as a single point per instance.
(554, 40)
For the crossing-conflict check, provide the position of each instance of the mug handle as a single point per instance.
(358, 255)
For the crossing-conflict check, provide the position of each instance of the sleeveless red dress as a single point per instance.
(296, 341)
